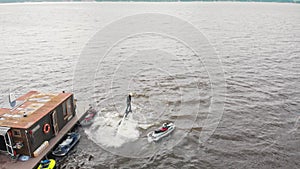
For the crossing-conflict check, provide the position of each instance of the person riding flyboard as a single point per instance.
(128, 108)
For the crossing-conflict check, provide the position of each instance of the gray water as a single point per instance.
(258, 45)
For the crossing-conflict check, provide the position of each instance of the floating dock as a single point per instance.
(6, 161)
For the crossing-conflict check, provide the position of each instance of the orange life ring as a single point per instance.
(46, 128)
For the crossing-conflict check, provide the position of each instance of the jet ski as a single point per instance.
(88, 118)
(64, 147)
(47, 164)
(161, 132)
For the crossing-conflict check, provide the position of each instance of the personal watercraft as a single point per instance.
(88, 118)
(47, 164)
(161, 132)
(64, 147)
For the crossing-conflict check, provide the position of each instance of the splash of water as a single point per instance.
(107, 132)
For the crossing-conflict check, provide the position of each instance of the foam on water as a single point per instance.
(107, 132)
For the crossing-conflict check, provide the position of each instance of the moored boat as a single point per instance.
(47, 164)
(88, 117)
(64, 147)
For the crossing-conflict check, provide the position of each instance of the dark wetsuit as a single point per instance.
(128, 108)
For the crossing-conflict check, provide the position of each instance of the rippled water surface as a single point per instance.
(257, 43)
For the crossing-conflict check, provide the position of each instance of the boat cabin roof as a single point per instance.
(30, 108)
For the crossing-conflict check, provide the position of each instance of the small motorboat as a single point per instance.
(47, 164)
(64, 147)
(161, 132)
(88, 118)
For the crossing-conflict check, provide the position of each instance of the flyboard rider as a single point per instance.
(128, 108)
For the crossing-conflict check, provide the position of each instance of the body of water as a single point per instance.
(258, 44)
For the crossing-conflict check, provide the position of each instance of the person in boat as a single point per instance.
(164, 128)
(128, 108)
